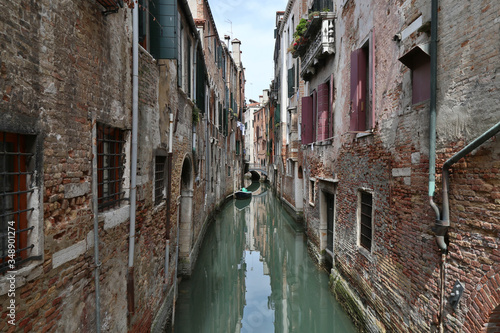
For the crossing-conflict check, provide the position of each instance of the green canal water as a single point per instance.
(254, 274)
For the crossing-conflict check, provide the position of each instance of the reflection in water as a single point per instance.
(254, 275)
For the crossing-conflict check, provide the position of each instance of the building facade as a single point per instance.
(287, 101)
(109, 184)
(393, 93)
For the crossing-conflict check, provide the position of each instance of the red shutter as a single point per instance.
(307, 120)
(314, 114)
(330, 107)
(323, 109)
(359, 64)
(353, 107)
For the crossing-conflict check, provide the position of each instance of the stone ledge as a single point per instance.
(116, 217)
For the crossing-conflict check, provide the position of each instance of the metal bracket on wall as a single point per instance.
(456, 294)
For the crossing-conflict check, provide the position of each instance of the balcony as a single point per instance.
(317, 43)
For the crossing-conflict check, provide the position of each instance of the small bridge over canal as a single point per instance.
(257, 171)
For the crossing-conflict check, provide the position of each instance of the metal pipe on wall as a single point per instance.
(169, 194)
(439, 230)
(95, 208)
(133, 167)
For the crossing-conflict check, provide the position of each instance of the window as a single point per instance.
(144, 24)
(290, 168)
(312, 191)
(365, 208)
(110, 160)
(307, 124)
(321, 5)
(291, 81)
(180, 58)
(330, 214)
(159, 178)
(361, 89)
(188, 67)
(323, 105)
(16, 190)
(419, 61)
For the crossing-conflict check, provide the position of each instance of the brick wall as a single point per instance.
(398, 280)
(61, 71)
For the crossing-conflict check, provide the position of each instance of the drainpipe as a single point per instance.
(176, 262)
(133, 168)
(432, 116)
(169, 194)
(455, 158)
(441, 227)
(444, 222)
(95, 208)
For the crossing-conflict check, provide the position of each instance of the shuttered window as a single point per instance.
(277, 114)
(314, 113)
(291, 81)
(421, 78)
(359, 84)
(323, 112)
(307, 120)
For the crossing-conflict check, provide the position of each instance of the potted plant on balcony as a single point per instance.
(298, 36)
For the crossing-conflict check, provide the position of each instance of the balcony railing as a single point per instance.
(320, 42)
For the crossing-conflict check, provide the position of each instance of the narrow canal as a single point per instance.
(254, 274)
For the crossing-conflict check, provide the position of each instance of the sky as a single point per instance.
(253, 23)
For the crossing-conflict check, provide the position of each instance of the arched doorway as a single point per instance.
(186, 214)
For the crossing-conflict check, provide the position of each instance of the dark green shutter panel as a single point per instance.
(200, 83)
(291, 81)
(163, 29)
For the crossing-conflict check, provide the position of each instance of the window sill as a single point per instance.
(367, 254)
(325, 142)
(116, 217)
(159, 206)
(363, 134)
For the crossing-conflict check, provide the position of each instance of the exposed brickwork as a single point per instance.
(398, 280)
(63, 68)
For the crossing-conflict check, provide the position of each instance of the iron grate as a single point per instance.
(15, 192)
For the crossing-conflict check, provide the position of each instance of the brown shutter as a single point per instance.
(323, 121)
(358, 89)
(314, 114)
(307, 120)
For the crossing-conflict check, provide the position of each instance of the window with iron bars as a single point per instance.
(15, 191)
(366, 220)
(110, 165)
(159, 178)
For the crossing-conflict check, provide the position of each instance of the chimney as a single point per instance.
(236, 52)
(266, 96)
(261, 99)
